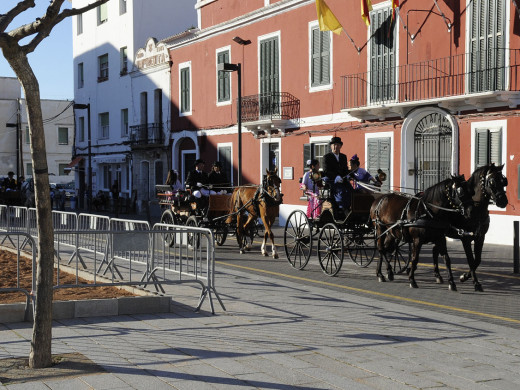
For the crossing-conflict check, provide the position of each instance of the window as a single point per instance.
(159, 173)
(61, 169)
(488, 146)
(185, 91)
(104, 125)
(102, 13)
(79, 24)
(269, 77)
(28, 170)
(107, 177)
(487, 45)
(224, 155)
(122, 7)
(103, 68)
(144, 108)
(158, 114)
(81, 76)
(124, 122)
(123, 55)
(382, 56)
(27, 135)
(63, 136)
(314, 150)
(320, 57)
(223, 79)
(81, 129)
(378, 152)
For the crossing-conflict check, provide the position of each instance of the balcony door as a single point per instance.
(269, 77)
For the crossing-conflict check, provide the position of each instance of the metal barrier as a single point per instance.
(18, 240)
(3, 218)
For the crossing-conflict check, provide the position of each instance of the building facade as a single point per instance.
(118, 81)
(15, 151)
(422, 94)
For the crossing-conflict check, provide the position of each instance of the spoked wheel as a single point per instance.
(170, 219)
(400, 258)
(297, 239)
(330, 249)
(362, 246)
(221, 235)
(193, 239)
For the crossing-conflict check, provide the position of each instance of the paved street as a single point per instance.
(285, 328)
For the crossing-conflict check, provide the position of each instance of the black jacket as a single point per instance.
(195, 177)
(218, 178)
(333, 167)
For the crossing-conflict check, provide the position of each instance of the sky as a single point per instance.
(52, 59)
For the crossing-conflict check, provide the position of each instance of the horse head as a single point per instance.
(493, 184)
(272, 184)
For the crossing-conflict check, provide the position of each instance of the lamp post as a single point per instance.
(78, 106)
(226, 67)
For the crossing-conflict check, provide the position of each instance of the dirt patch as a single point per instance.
(65, 366)
(9, 271)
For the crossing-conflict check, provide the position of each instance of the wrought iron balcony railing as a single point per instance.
(270, 106)
(149, 134)
(460, 75)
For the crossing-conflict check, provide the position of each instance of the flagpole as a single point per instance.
(443, 16)
(351, 40)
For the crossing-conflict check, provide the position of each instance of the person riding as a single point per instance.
(173, 180)
(197, 180)
(10, 182)
(218, 178)
(310, 185)
(360, 174)
(335, 168)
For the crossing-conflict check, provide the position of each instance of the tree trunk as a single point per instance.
(41, 354)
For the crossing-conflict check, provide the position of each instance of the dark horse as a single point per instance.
(259, 201)
(418, 220)
(487, 184)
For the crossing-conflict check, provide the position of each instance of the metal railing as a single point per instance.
(146, 134)
(463, 74)
(270, 106)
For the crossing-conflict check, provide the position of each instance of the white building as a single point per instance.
(58, 120)
(129, 104)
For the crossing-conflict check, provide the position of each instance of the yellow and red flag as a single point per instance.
(326, 19)
(366, 7)
(395, 4)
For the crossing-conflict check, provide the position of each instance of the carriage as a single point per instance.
(331, 235)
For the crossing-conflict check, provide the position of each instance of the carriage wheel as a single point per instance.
(193, 239)
(330, 249)
(221, 235)
(297, 239)
(362, 246)
(401, 257)
(170, 219)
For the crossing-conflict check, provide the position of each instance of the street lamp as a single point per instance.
(226, 67)
(78, 106)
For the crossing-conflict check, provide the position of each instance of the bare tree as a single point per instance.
(16, 55)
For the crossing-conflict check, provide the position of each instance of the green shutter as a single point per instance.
(325, 57)
(481, 147)
(269, 72)
(495, 150)
(223, 78)
(185, 90)
(378, 150)
(315, 63)
(320, 62)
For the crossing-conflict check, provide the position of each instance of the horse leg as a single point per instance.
(268, 233)
(479, 244)
(391, 245)
(436, 272)
(382, 254)
(416, 248)
(239, 232)
(472, 261)
(443, 250)
(246, 244)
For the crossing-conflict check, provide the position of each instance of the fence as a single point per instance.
(119, 252)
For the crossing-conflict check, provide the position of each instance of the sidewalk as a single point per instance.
(280, 335)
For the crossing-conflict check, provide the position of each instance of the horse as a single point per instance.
(259, 201)
(418, 220)
(487, 183)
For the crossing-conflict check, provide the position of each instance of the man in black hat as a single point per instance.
(197, 180)
(335, 168)
(217, 176)
(10, 182)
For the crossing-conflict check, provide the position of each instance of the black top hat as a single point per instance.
(10, 173)
(335, 140)
(199, 161)
(217, 164)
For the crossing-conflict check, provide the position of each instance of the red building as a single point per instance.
(429, 93)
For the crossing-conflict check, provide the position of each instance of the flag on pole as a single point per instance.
(366, 7)
(395, 4)
(326, 18)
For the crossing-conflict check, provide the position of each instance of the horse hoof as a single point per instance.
(452, 287)
(439, 280)
(265, 254)
(242, 251)
(413, 284)
(462, 278)
(381, 279)
(390, 277)
(478, 287)
(275, 255)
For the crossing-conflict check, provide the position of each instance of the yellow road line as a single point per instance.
(452, 308)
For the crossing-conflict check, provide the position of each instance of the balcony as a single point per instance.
(269, 112)
(465, 82)
(147, 135)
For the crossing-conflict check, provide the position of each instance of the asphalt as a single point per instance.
(278, 334)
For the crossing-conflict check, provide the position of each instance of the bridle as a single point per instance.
(492, 186)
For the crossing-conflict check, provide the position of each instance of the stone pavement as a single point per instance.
(280, 335)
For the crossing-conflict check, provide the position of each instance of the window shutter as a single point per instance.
(495, 152)
(325, 57)
(315, 71)
(307, 155)
(185, 90)
(223, 78)
(378, 150)
(482, 146)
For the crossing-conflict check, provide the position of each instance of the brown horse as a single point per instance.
(418, 220)
(258, 201)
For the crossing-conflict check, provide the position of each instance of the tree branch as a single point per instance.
(5, 20)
